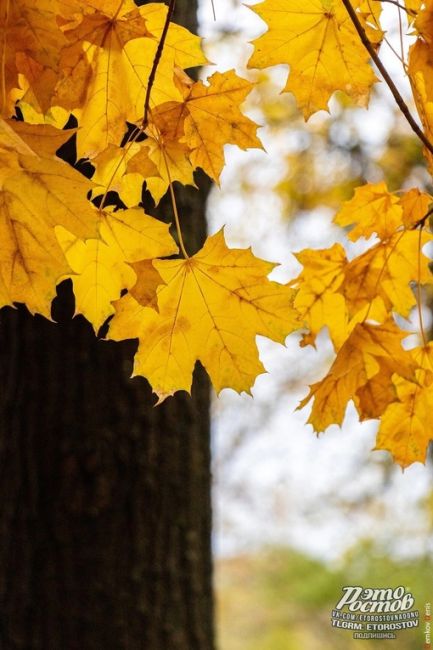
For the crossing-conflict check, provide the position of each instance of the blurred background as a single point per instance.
(298, 517)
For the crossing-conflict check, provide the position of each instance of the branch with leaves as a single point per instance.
(143, 123)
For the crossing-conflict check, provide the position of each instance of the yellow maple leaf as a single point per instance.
(37, 194)
(101, 268)
(185, 135)
(107, 68)
(319, 42)
(164, 151)
(210, 308)
(318, 300)
(372, 352)
(373, 209)
(111, 173)
(405, 428)
(214, 119)
(420, 70)
(387, 270)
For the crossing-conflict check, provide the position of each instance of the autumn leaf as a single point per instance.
(372, 353)
(210, 308)
(30, 44)
(318, 300)
(373, 209)
(107, 68)
(37, 194)
(317, 39)
(214, 119)
(404, 429)
(388, 270)
(421, 77)
(101, 268)
(43, 138)
(190, 134)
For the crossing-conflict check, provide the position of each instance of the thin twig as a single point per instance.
(411, 12)
(391, 85)
(156, 61)
(423, 219)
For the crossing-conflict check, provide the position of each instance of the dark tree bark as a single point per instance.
(105, 510)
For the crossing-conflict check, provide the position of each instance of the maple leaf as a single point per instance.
(36, 194)
(43, 138)
(319, 42)
(163, 158)
(387, 270)
(372, 352)
(30, 43)
(210, 308)
(108, 64)
(404, 429)
(214, 119)
(373, 209)
(112, 173)
(318, 299)
(415, 205)
(190, 134)
(100, 266)
(420, 68)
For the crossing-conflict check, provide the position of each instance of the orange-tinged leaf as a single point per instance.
(319, 42)
(405, 428)
(370, 352)
(210, 308)
(29, 36)
(372, 399)
(100, 266)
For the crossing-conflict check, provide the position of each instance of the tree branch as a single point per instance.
(391, 85)
(156, 61)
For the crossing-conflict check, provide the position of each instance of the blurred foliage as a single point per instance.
(280, 599)
(323, 161)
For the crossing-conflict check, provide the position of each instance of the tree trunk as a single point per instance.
(105, 510)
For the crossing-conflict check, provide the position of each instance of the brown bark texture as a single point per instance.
(105, 507)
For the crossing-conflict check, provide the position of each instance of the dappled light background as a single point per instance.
(296, 516)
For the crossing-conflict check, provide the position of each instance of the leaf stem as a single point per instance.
(391, 85)
(174, 205)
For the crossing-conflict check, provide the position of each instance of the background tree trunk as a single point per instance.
(105, 509)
